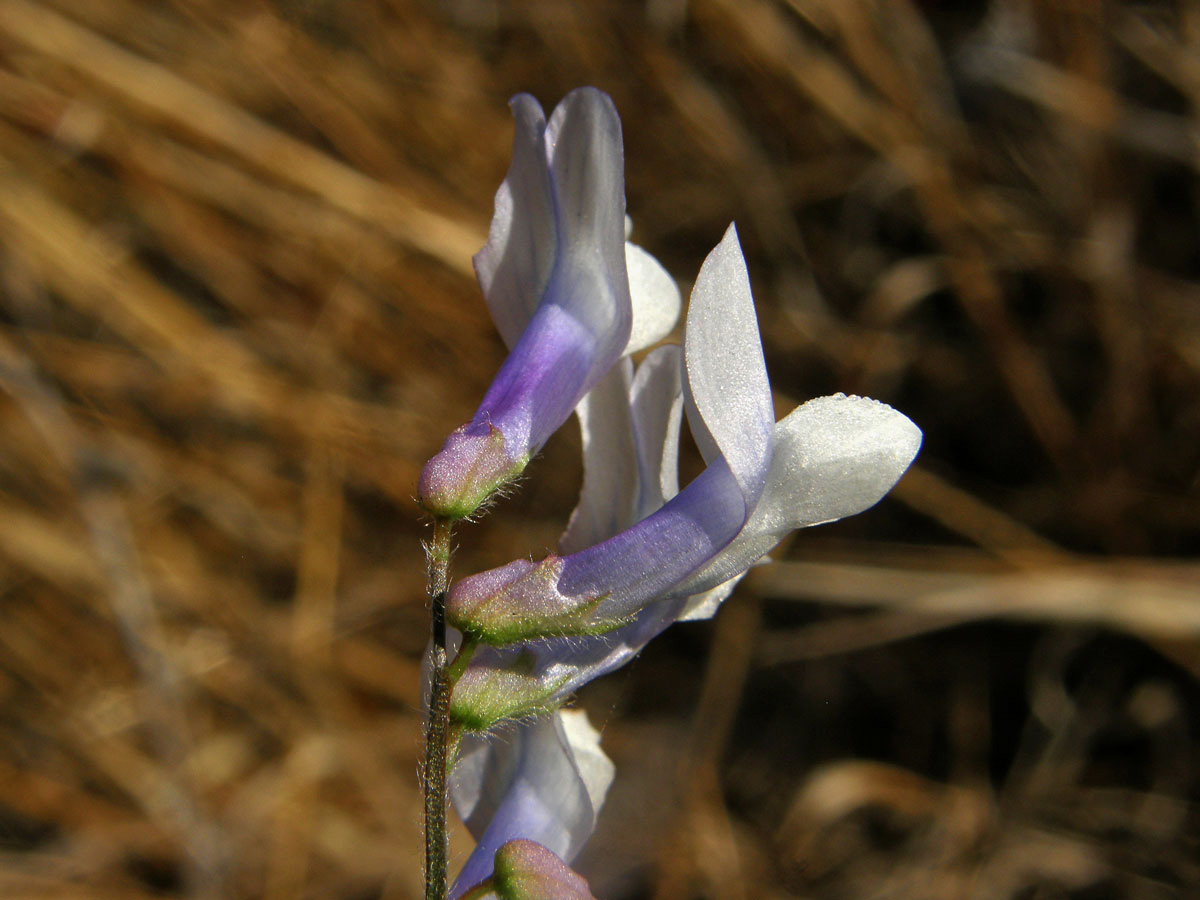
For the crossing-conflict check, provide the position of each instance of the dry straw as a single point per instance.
(237, 313)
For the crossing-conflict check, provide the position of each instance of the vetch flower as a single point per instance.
(568, 294)
(557, 624)
(543, 780)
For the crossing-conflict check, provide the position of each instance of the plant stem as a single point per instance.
(433, 770)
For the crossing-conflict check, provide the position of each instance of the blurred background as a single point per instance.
(237, 313)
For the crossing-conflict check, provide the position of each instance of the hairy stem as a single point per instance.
(433, 770)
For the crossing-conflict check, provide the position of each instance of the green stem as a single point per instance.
(461, 659)
(455, 730)
(433, 769)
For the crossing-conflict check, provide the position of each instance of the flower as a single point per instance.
(662, 556)
(544, 781)
(568, 294)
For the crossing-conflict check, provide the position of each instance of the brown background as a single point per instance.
(237, 313)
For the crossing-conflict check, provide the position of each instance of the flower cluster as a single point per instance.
(573, 300)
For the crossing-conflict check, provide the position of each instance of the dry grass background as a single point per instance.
(237, 313)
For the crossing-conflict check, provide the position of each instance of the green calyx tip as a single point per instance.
(507, 876)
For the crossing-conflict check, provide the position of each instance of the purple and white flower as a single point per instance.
(568, 294)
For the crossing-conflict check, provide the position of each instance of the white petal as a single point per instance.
(834, 457)
(729, 398)
(587, 172)
(657, 401)
(514, 265)
(655, 296)
(583, 743)
(705, 605)
(610, 481)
